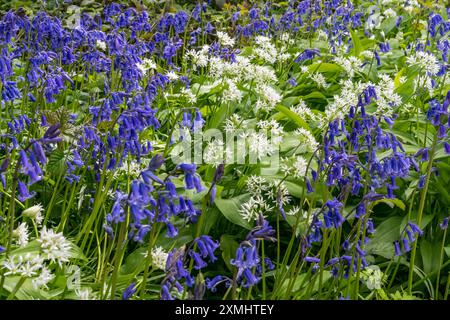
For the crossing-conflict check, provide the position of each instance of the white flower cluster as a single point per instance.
(253, 208)
(55, 246)
(307, 140)
(350, 64)
(373, 277)
(241, 73)
(304, 112)
(29, 266)
(21, 235)
(265, 50)
(146, 65)
(224, 39)
(387, 99)
(425, 61)
(265, 196)
(159, 258)
(344, 101)
(294, 166)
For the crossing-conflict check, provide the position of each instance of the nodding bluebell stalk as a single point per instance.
(247, 259)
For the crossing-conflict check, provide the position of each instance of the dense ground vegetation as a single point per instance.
(246, 150)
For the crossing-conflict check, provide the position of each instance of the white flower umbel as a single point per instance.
(425, 61)
(159, 258)
(146, 65)
(34, 212)
(351, 64)
(373, 277)
(306, 139)
(256, 185)
(43, 279)
(255, 206)
(24, 265)
(268, 98)
(259, 145)
(387, 98)
(199, 58)
(85, 294)
(172, 75)
(232, 93)
(273, 128)
(224, 39)
(278, 192)
(304, 111)
(55, 246)
(319, 79)
(21, 234)
(189, 95)
(101, 45)
(265, 50)
(294, 166)
(216, 152)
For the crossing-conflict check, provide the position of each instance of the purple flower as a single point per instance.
(129, 292)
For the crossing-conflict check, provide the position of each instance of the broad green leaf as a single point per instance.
(430, 253)
(230, 209)
(292, 116)
(228, 245)
(392, 203)
(386, 233)
(357, 46)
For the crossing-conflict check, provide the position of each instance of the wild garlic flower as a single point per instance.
(260, 145)
(387, 99)
(304, 111)
(43, 279)
(199, 58)
(294, 166)
(85, 294)
(21, 234)
(34, 213)
(216, 152)
(350, 64)
(278, 192)
(55, 246)
(172, 75)
(233, 123)
(146, 65)
(319, 79)
(24, 265)
(265, 50)
(425, 61)
(253, 208)
(268, 98)
(231, 93)
(256, 185)
(189, 95)
(424, 82)
(224, 39)
(306, 139)
(101, 45)
(159, 258)
(373, 277)
(273, 128)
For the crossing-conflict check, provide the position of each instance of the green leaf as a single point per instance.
(392, 203)
(386, 233)
(228, 246)
(357, 46)
(230, 209)
(325, 68)
(430, 253)
(292, 116)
